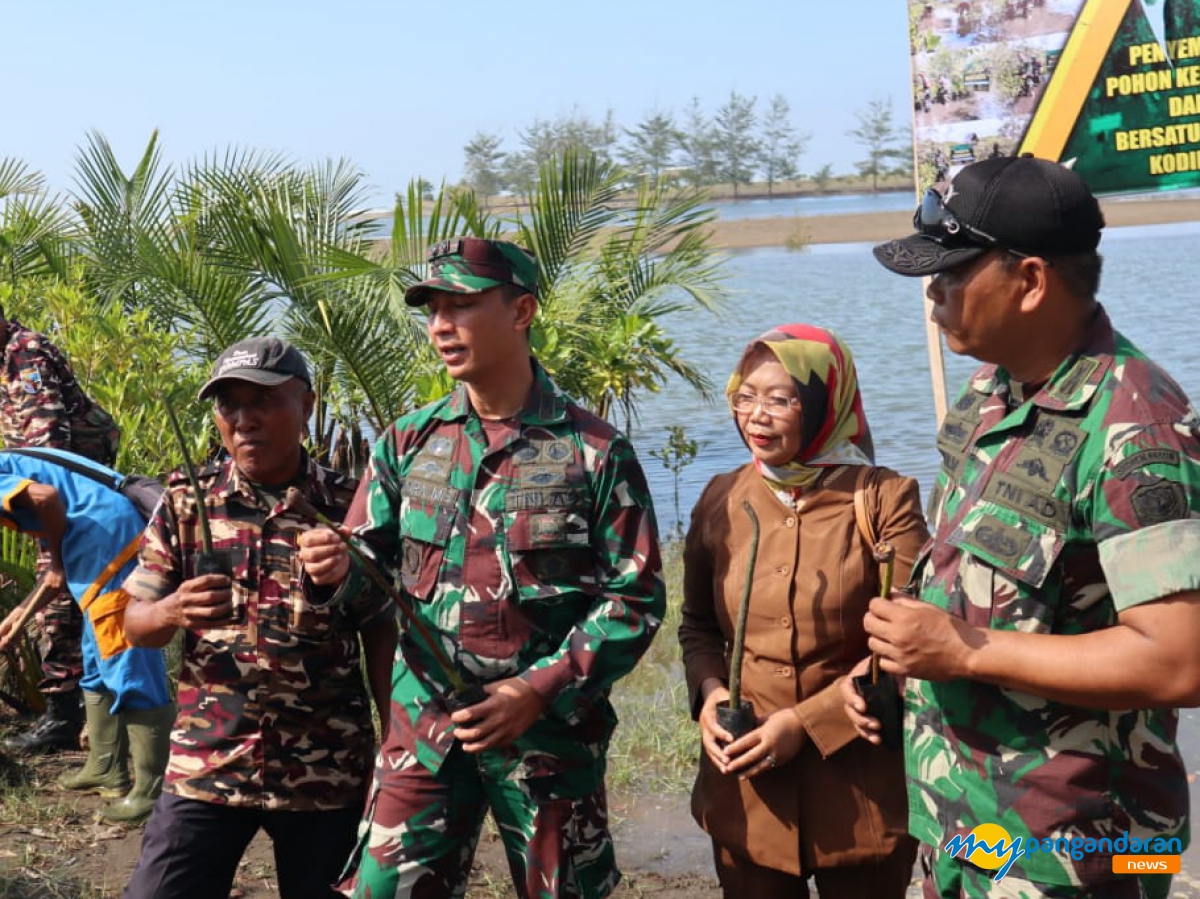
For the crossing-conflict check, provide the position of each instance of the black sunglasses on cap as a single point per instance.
(934, 219)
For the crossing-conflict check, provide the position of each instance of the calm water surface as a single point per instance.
(1150, 277)
(830, 204)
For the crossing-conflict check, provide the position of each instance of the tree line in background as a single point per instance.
(143, 277)
(736, 146)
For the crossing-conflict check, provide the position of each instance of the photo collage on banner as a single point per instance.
(1110, 86)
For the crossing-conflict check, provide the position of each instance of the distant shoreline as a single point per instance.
(873, 227)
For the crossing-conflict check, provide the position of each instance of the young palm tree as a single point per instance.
(36, 229)
(237, 245)
(246, 243)
(611, 274)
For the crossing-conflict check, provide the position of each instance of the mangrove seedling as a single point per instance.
(878, 688)
(208, 560)
(462, 694)
(737, 716)
(885, 555)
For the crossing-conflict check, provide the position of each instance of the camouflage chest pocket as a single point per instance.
(549, 551)
(1018, 527)
(1008, 559)
(546, 527)
(284, 613)
(427, 513)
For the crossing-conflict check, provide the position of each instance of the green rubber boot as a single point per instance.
(149, 745)
(104, 771)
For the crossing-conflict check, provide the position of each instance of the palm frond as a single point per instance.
(186, 290)
(116, 209)
(573, 202)
(17, 178)
(36, 238)
(356, 347)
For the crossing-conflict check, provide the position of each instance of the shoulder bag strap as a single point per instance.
(64, 462)
(865, 526)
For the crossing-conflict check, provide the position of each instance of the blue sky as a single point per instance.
(399, 87)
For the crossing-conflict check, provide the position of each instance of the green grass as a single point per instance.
(49, 878)
(656, 746)
(41, 836)
(798, 239)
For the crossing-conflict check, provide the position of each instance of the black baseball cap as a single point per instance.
(259, 360)
(1032, 206)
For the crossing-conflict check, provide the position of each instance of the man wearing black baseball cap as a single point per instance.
(1056, 615)
(274, 728)
(1025, 205)
(259, 360)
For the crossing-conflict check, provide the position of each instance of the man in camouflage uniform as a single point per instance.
(41, 404)
(526, 545)
(274, 727)
(1059, 612)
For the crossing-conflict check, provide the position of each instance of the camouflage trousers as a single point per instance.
(420, 831)
(948, 877)
(61, 643)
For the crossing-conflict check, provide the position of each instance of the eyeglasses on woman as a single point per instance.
(772, 405)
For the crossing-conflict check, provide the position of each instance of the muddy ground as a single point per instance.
(69, 853)
(62, 850)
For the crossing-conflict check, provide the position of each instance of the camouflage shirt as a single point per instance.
(41, 403)
(1052, 516)
(273, 712)
(529, 549)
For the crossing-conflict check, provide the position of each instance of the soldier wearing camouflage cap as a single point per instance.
(274, 728)
(523, 534)
(1056, 615)
(469, 265)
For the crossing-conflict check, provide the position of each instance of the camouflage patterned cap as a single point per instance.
(473, 265)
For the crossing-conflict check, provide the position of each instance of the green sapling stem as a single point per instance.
(739, 631)
(190, 470)
(885, 555)
(296, 501)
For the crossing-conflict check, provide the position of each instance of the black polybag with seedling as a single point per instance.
(879, 688)
(209, 560)
(735, 714)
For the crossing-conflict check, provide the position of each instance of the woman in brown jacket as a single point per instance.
(800, 795)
